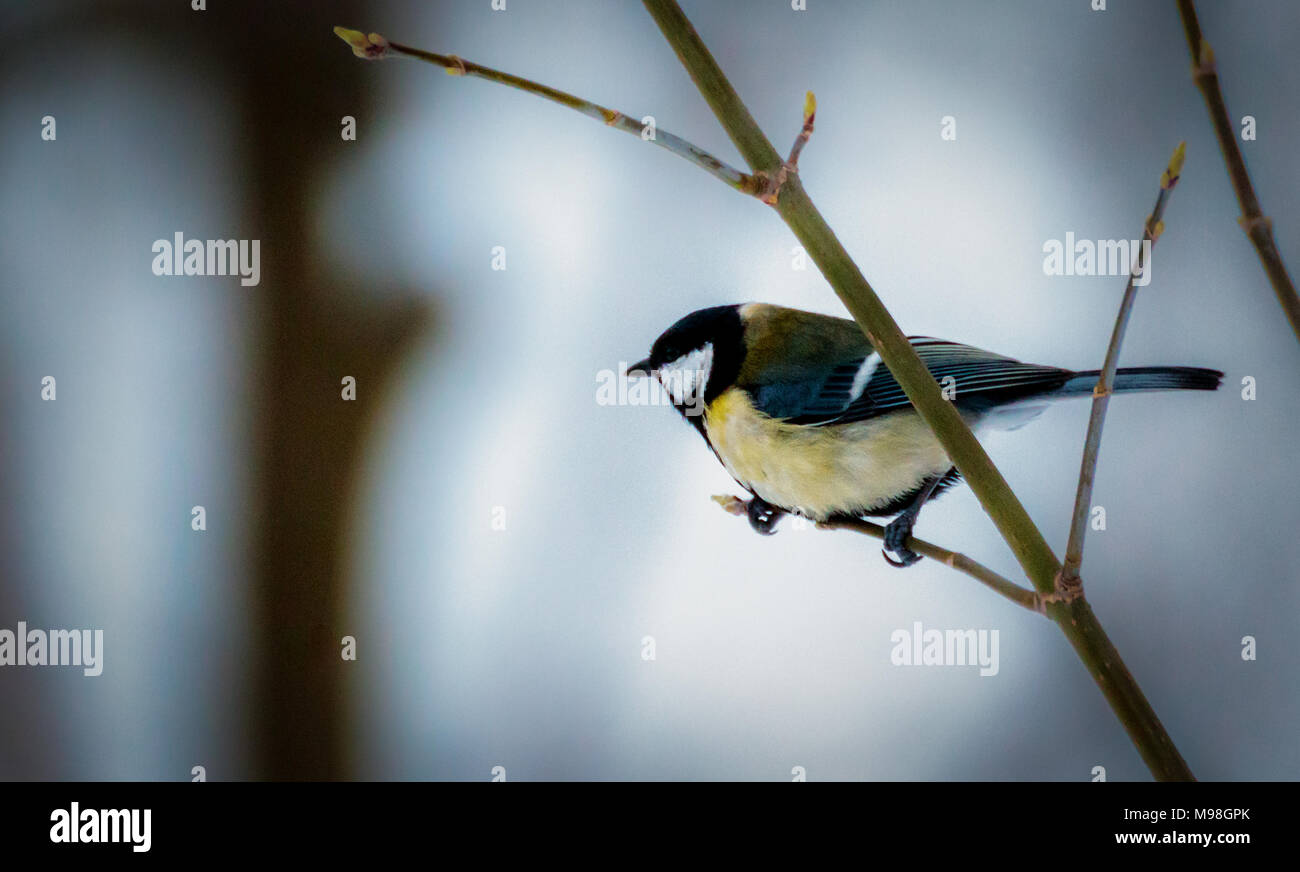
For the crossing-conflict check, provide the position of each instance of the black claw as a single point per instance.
(897, 532)
(763, 516)
(908, 557)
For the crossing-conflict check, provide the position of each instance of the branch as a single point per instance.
(1072, 614)
(376, 47)
(1004, 587)
(1151, 229)
(1252, 220)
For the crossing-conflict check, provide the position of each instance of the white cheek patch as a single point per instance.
(686, 377)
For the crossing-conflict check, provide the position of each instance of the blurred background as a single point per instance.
(498, 543)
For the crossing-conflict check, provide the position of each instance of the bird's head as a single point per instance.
(697, 358)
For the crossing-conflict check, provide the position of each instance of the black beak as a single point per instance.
(639, 369)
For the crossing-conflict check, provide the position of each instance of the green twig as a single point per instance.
(1151, 230)
(1252, 220)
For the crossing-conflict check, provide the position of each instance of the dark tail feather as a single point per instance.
(1148, 378)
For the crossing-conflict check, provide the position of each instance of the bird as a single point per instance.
(802, 413)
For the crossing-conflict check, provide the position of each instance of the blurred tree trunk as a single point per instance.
(308, 441)
(292, 83)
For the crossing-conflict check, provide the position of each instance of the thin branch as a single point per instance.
(1073, 615)
(1004, 587)
(376, 47)
(772, 195)
(1021, 596)
(809, 117)
(1151, 230)
(1258, 227)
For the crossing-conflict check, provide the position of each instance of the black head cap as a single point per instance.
(715, 336)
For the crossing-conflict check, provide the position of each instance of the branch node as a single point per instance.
(1157, 231)
(1175, 168)
(1205, 66)
(771, 191)
(752, 183)
(1249, 223)
(371, 48)
(457, 67)
(1068, 588)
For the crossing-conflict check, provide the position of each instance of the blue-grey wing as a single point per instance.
(863, 388)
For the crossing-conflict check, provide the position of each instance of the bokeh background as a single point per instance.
(522, 647)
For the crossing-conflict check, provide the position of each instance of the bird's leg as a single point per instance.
(763, 515)
(899, 530)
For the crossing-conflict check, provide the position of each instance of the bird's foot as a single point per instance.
(763, 516)
(897, 532)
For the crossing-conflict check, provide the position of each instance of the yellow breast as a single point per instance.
(822, 471)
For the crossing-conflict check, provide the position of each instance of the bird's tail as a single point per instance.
(1148, 378)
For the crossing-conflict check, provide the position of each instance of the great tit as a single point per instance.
(800, 411)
